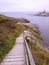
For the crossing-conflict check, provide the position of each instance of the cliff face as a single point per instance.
(10, 29)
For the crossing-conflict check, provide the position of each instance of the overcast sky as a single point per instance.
(23, 5)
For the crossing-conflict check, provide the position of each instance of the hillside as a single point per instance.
(10, 29)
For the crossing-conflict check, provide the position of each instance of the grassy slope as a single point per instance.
(41, 57)
(9, 30)
(7, 35)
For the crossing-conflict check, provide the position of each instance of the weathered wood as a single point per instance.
(16, 55)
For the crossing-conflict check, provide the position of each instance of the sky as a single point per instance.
(24, 5)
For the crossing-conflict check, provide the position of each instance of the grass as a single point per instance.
(34, 33)
(7, 38)
(9, 31)
(37, 36)
(23, 20)
(40, 57)
(4, 49)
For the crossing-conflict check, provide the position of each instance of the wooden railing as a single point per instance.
(29, 57)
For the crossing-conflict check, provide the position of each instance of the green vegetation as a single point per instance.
(41, 57)
(9, 31)
(23, 20)
(34, 33)
(7, 35)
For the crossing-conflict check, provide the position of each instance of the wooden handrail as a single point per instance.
(31, 60)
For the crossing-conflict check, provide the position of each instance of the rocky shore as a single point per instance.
(43, 14)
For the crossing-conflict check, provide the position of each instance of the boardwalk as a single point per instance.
(18, 55)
